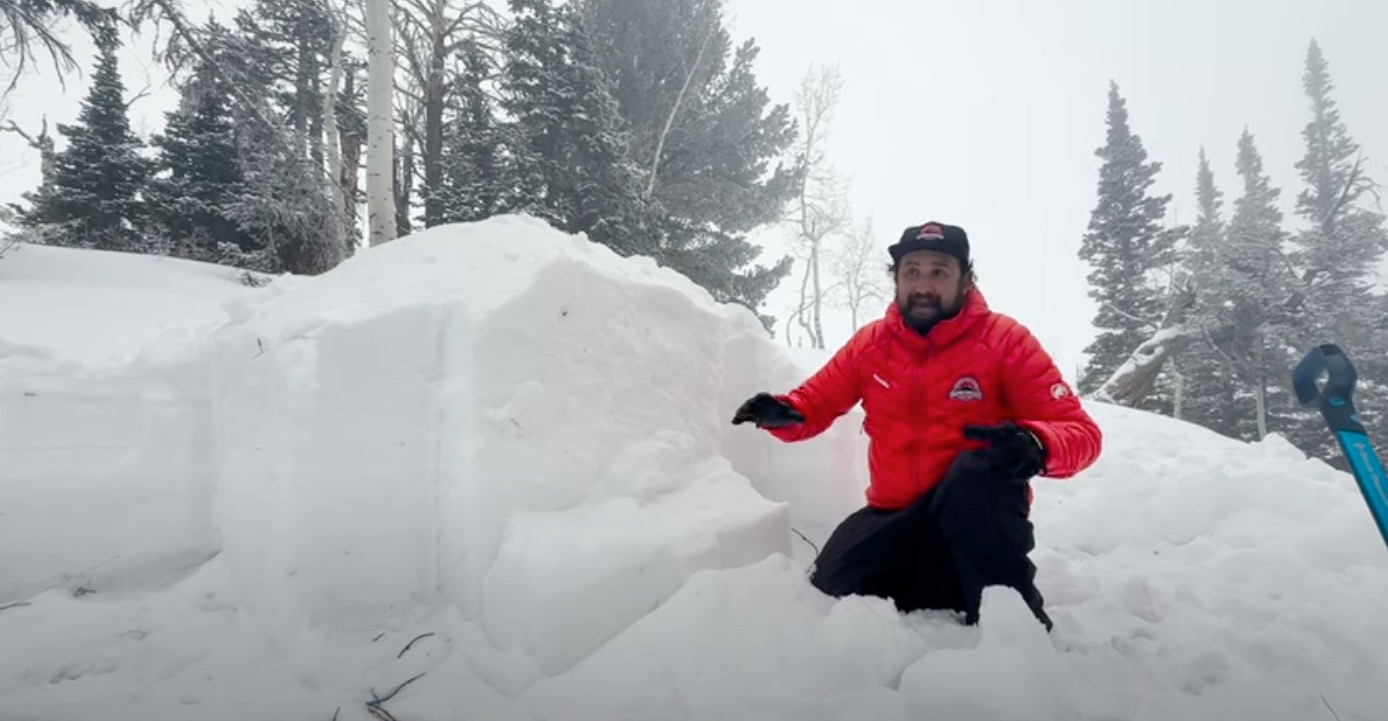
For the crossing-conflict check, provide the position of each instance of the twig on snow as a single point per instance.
(805, 539)
(1327, 705)
(412, 642)
(374, 706)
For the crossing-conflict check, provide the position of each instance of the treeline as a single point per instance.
(640, 124)
(1204, 321)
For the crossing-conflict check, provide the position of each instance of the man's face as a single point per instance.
(929, 288)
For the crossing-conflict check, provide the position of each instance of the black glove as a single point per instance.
(767, 411)
(1013, 450)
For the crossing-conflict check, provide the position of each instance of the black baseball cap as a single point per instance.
(939, 237)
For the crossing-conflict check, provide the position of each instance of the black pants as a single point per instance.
(969, 532)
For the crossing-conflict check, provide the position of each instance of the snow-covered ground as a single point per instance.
(486, 472)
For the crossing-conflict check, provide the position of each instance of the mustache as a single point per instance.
(923, 300)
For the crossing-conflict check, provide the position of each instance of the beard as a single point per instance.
(922, 311)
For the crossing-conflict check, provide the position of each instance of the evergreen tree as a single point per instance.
(200, 172)
(572, 167)
(1208, 382)
(94, 200)
(289, 42)
(476, 172)
(1124, 245)
(1249, 291)
(1341, 250)
(704, 135)
(1207, 234)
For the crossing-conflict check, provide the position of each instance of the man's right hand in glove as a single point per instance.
(767, 411)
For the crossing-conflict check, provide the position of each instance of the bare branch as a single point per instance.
(137, 96)
(34, 142)
(31, 22)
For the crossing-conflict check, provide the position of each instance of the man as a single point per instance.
(962, 408)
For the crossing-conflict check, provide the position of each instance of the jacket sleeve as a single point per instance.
(1041, 401)
(831, 392)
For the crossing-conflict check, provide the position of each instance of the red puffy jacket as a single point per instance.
(918, 393)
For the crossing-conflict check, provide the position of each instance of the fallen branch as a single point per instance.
(1134, 379)
(375, 706)
(412, 642)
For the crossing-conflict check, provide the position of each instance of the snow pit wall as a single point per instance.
(484, 415)
(104, 478)
(436, 422)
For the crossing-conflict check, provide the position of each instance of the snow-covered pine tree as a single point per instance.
(1207, 378)
(705, 136)
(1249, 291)
(292, 40)
(95, 199)
(1341, 250)
(199, 173)
(1125, 244)
(476, 173)
(286, 205)
(573, 169)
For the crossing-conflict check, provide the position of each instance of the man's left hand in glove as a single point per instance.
(1012, 449)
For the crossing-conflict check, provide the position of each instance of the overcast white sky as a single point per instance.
(986, 114)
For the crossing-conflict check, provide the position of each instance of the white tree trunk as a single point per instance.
(380, 123)
(818, 298)
(334, 150)
(674, 111)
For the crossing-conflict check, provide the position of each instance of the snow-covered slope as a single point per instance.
(493, 464)
(96, 306)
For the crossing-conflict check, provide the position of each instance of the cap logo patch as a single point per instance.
(930, 231)
(966, 389)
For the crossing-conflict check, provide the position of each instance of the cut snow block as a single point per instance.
(384, 420)
(752, 642)
(103, 478)
(565, 582)
(824, 478)
(329, 468)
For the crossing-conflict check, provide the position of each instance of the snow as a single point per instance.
(489, 468)
(62, 303)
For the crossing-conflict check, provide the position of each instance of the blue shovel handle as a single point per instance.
(1336, 403)
(1336, 399)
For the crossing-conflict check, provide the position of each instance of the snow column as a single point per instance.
(330, 470)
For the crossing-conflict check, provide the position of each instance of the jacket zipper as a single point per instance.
(918, 396)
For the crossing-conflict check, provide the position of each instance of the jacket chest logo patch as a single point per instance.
(966, 389)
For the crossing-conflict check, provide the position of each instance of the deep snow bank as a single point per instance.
(499, 416)
(105, 471)
(99, 307)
